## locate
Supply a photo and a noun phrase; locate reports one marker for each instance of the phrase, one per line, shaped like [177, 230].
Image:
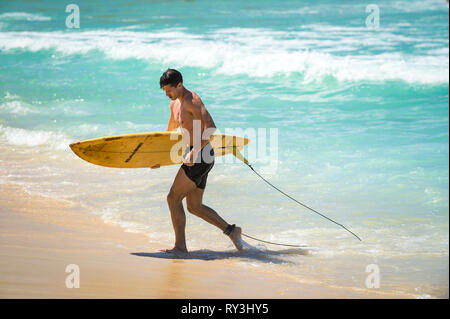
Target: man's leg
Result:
[194, 201]
[182, 186]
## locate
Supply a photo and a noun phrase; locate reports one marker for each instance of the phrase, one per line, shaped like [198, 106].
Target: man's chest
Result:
[181, 116]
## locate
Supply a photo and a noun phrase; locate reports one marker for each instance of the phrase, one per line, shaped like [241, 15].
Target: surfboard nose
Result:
[72, 146]
[75, 147]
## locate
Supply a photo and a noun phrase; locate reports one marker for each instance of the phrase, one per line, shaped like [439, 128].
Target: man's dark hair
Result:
[172, 77]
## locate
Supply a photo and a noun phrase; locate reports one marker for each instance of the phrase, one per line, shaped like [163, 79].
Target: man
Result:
[186, 110]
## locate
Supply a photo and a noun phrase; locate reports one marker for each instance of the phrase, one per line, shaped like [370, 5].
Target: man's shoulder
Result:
[195, 100]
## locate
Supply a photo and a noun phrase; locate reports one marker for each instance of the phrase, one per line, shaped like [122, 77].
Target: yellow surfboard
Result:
[138, 150]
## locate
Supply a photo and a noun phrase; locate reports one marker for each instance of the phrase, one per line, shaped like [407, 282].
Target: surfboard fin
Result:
[239, 156]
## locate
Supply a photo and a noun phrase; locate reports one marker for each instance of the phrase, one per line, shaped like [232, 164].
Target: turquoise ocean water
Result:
[361, 116]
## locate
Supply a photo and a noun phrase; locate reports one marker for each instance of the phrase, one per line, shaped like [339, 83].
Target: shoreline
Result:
[40, 236]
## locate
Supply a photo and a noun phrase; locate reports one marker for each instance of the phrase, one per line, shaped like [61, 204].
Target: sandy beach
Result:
[40, 236]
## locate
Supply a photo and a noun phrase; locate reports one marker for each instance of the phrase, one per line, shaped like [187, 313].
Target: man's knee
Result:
[193, 208]
[174, 198]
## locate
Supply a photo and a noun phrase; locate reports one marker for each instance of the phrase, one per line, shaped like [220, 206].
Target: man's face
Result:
[172, 92]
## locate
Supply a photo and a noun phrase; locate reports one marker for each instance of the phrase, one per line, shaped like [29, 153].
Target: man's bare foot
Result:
[175, 250]
[235, 237]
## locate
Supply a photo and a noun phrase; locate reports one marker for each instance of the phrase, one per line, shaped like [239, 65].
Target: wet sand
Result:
[41, 236]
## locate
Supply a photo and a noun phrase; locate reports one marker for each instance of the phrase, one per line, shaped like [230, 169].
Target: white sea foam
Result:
[17, 107]
[112, 216]
[19, 136]
[9, 96]
[418, 6]
[439, 51]
[23, 16]
[253, 52]
[284, 12]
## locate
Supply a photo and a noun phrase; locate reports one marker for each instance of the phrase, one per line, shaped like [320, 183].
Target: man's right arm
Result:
[172, 125]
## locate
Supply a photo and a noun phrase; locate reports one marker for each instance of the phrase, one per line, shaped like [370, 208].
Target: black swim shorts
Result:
[198, 173]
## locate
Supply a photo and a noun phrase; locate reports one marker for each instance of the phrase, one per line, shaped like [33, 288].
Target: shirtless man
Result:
[185, 108]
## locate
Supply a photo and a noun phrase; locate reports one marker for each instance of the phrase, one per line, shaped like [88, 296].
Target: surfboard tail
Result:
[239, 156]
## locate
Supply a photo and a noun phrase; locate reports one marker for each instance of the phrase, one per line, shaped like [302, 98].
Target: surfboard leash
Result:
[245, 161]
[269, 242]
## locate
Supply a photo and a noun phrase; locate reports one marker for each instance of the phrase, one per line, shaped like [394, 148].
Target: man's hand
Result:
[155, 166]
[190, 159]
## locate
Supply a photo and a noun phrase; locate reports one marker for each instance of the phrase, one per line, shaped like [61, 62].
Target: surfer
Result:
[186, 110]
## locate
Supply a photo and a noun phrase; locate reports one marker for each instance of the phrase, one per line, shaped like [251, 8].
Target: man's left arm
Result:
[210, 127]
[200, 113]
